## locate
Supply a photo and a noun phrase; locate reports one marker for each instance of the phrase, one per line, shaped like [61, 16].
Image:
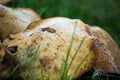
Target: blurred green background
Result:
[103, 13]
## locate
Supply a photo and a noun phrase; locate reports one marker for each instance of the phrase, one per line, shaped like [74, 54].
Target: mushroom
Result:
[15, 20]
[4, 1]
[22, 32]
[107, 57]
[8, 61]
[2, 53]
[54, 38]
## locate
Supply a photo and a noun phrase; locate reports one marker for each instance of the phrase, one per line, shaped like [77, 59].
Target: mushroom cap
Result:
[107, 56]
[54, 37]
[15, 20]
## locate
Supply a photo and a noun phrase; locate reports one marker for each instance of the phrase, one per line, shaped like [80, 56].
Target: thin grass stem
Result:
[75, 54]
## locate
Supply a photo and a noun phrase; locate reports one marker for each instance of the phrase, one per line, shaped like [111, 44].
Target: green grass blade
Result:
[27, 60]
[72, 75]
[75, 54]
[64, 74]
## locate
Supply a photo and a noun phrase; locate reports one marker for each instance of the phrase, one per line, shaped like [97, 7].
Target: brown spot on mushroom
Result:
[55, 53]
[48, 44]
[12, 49]
[51, 30]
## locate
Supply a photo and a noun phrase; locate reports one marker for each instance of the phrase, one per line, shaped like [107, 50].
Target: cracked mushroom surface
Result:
[54, 37]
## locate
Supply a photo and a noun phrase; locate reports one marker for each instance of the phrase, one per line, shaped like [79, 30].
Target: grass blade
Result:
[72, 75]
[75, 54]
[64, 74]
